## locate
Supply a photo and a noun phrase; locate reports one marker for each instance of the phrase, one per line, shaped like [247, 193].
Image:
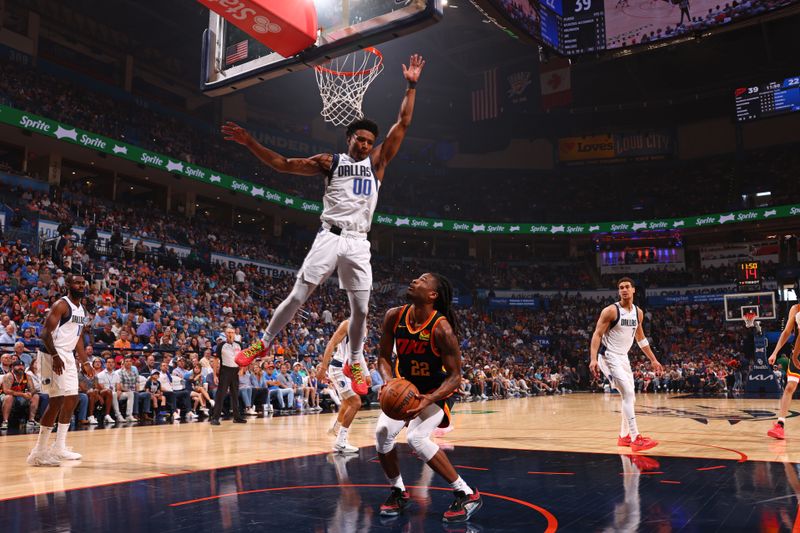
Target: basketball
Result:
[397, 397]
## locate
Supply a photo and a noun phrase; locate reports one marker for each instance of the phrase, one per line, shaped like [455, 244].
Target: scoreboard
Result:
[748, 275]
[576, 27]
[573, 27]
[769, 100]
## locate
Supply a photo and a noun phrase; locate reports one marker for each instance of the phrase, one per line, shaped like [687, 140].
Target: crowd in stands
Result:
[538, 196]
[147, 318]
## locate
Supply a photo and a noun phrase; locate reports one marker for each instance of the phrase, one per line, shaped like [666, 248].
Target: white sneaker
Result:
[120, 419]
[250, 411]
[344, 448]
[190, 416]
[43, 458]
[33, 424]
[130, 418]
[93, 421]
[270, 409]
[211, 403]
[108, 419]
[65, 454]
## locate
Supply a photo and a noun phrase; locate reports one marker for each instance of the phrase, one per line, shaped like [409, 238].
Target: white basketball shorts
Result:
[340, 382]
[348, 254]
[617, 368]
[55, 385]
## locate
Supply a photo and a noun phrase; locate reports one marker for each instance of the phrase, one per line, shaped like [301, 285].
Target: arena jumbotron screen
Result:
[574, 27]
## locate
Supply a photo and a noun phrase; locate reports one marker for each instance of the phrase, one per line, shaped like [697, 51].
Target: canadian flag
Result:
[555, 82]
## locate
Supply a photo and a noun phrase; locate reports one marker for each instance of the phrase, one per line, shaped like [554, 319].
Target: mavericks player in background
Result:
[618, 325]
[61, 336]
[352, 181]
[337, 353]
[792, 373]
[424, 334]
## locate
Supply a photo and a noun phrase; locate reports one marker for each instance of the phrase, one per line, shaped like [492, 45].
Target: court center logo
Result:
[263, 25]
[704, 413]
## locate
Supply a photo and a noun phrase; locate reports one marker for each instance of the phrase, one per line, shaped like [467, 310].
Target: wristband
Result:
[644, 342]
[412, 85]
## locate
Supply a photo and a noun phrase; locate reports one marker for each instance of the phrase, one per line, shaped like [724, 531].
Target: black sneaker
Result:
[214, 421]
[463, 507]
[395, 503]
[239, 421]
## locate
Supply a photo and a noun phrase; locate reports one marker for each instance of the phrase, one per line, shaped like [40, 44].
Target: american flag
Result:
[236, 52]
[485, 102]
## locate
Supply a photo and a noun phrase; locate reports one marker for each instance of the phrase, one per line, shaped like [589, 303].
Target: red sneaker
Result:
[246, 356]
[355, 373]
[643, 443]
[776, 432]
[624, 441]
[395, 503]
[644, 463]
[463, 507]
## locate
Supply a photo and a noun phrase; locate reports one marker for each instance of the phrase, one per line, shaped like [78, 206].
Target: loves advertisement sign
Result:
[586, 148]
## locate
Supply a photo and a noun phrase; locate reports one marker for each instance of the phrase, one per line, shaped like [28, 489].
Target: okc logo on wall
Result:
[263, 25]
[518, 82]
[704, 413]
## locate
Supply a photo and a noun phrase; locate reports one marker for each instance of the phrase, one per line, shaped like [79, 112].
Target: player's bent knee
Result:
[422, 445]
[384, 441]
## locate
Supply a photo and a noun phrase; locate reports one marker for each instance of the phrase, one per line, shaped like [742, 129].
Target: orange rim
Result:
[371, 50]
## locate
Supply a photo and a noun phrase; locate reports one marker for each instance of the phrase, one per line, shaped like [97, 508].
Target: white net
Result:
[343, 82]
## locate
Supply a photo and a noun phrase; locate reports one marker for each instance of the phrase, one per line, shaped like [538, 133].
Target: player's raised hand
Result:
[234, 132]
[414, 68]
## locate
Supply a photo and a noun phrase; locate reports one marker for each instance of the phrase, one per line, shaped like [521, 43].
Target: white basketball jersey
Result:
[619, 337]
[351, 195]
[69, 329]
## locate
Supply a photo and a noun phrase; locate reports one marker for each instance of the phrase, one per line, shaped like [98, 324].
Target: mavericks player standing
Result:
[792, 373]
[618, 325]
[61, 336]
[337, 353]
[351, 193]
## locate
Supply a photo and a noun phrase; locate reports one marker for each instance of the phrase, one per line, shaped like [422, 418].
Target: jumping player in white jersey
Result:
[792, 372]
[619, 324]
[62, 337]
[351, 193]
[337, 354]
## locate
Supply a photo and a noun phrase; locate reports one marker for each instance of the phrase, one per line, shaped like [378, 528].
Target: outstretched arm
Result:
[309, 166]
[386, 151]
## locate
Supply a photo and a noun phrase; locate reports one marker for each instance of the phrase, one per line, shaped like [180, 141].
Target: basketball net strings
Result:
[342, 95]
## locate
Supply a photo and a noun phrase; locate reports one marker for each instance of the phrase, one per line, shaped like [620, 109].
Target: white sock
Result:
[336, 426]
[61, 435]
[44, 435]
[782, 420]
[623, 428]
[341, 437]
[397, 482]
[355, 358]
[460, 484]
[268, 338]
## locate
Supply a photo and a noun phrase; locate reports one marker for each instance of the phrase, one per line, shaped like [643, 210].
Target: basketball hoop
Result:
[343, 82]
[749, 319]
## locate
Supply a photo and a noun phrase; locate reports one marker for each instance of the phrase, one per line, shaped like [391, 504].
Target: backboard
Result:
[760, 303]
[233, 60]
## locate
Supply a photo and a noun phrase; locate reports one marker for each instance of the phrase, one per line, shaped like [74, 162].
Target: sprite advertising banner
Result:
[99, 143]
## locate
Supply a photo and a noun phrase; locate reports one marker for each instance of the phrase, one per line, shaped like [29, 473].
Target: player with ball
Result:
[423, 333]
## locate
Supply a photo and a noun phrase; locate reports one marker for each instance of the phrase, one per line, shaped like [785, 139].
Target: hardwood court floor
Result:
[728, 429]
